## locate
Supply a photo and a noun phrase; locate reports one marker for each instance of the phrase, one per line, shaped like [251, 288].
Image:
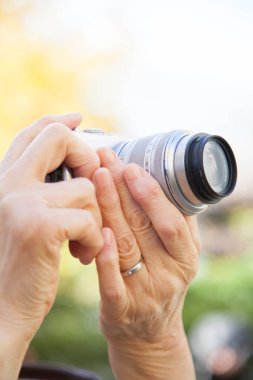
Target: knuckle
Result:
[57, 133]
[126, 244]
[113, 293]
[118, 177]
[88, 220]
[173, 229]
[22, 135]
[92, 230]
[150, 192]
[138, 220]
[56, 129]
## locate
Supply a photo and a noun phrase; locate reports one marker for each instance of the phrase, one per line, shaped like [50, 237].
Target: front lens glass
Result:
[216, 166]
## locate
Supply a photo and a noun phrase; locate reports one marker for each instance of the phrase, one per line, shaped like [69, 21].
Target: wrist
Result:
[162, 358]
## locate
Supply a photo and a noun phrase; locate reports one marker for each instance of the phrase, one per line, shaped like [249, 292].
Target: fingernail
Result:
[108, 156]
[133, 172]
[103, 178]
[107, 236]
[85, 260]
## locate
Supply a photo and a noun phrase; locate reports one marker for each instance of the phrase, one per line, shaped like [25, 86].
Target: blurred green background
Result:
[46, 68]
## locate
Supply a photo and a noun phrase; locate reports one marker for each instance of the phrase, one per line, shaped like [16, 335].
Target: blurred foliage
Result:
[38, 78]
[226, 286]
[225, 283]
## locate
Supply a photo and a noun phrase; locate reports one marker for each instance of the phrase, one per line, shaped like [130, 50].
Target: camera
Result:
[193, 169]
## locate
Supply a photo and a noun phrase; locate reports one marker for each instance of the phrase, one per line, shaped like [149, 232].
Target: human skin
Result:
[35, 219]
[141, 315]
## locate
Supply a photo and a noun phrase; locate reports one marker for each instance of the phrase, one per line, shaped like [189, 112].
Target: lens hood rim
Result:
[195, 172]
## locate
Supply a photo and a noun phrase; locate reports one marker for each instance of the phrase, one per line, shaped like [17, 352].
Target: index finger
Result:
[169, 223]
[54, 145]
[28, 134]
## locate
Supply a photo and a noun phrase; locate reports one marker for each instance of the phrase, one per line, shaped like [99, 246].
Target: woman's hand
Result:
[141, 313]
[35, 219]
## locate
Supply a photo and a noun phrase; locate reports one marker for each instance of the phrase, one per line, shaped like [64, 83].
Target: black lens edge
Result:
[194, 168]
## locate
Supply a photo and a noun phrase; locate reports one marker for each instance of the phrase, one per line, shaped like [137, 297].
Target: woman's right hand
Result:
[35, 219]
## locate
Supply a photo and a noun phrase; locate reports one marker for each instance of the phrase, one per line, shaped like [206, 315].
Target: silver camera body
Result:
[194, 170]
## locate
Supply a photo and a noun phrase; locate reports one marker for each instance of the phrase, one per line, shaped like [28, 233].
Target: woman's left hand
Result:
[146, 306]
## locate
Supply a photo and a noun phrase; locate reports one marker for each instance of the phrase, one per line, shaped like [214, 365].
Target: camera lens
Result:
[194, 170]
[210, 167]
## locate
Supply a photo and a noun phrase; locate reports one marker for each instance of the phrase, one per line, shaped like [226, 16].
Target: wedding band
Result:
[133, 270]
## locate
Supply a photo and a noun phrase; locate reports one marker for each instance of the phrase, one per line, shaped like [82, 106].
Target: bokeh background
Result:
[138, 67]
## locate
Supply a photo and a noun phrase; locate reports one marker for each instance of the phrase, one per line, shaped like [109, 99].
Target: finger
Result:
[75, 193]
[28, 134]
[111, 161]
[165, 217]
[147, 238]
[111, 284]
[79, 226]
[113, 217]
[52, 146]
